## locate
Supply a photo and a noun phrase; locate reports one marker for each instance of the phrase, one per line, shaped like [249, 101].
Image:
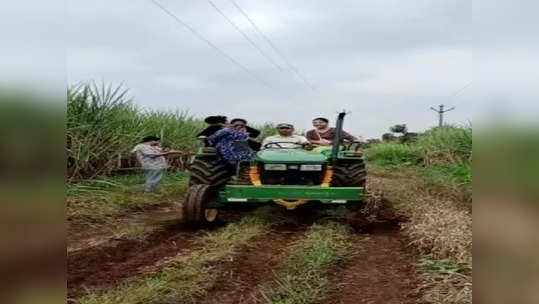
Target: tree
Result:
[400, 128]
[388, 137]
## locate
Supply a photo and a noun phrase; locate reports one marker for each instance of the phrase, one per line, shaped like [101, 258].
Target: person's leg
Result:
[148, 180]
[153, 177]
[157, 178]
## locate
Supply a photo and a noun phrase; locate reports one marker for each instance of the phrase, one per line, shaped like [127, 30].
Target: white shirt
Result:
[145, 155]
[284, 140]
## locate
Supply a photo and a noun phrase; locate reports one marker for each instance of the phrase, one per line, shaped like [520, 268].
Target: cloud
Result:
[387, 61]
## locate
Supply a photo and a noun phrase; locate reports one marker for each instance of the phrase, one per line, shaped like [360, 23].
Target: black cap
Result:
[238, 119]
[215, 119]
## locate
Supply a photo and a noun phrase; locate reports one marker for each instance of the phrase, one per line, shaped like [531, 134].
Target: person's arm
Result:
[216, 137]
[150, 152]
[348, 136]
[253, 133]
[311, 137]
[172, 151]
[315, 139]
[209, 131]
[266, 141]
[303, 140]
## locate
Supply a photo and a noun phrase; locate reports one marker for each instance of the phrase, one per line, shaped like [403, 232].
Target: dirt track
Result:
[381, 270]
[254, 266]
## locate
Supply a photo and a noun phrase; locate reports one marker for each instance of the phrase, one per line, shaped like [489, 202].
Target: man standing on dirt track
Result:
[152, 159]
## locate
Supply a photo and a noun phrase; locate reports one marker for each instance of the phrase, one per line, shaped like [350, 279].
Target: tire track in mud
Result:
[240, 278]
[382, 270]
[109, 264]
[102, 266]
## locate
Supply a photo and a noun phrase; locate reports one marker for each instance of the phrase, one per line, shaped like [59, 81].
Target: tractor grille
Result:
[292, 177]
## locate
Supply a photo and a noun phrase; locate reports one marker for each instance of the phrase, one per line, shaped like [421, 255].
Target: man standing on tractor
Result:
[285, 139]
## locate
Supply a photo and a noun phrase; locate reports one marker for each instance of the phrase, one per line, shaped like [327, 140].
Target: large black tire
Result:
[208, 171]
[194, 206]
[350, 173]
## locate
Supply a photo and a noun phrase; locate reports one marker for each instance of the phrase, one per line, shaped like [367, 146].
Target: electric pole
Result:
[441, 112]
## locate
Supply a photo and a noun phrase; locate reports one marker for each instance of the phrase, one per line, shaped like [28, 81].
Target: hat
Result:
[238, 119]
[285, 125]
[215, 119]
[322, 119]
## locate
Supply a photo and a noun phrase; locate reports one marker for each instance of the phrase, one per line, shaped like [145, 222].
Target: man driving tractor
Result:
[285, 139]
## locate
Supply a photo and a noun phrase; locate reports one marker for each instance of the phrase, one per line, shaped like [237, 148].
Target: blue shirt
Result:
[231, 145]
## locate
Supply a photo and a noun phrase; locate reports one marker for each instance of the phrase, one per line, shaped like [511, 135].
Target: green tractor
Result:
[290, 177]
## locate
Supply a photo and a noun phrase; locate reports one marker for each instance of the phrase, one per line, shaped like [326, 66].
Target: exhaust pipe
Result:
[338, 138]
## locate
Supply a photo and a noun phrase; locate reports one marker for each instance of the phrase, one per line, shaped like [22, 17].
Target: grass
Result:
[96, 200]
[439, 227]
[442, 155]
[446, 282]
[394, 154]
[186, 277]
[304, 279]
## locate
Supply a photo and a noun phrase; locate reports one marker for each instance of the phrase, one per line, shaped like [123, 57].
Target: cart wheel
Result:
[194, 207]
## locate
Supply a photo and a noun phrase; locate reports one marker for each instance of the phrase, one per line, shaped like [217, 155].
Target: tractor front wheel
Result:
[195, 206]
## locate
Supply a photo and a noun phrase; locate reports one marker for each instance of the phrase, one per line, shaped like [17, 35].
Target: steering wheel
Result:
[277, 143]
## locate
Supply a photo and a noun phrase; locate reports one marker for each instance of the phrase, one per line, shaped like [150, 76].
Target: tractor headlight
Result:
[311, 168]
[275, 167]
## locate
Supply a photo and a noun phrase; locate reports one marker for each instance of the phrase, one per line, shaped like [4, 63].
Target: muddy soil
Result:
[255, 265]
[82, 237]
[107, 265]
[110, 260]
[381, 272]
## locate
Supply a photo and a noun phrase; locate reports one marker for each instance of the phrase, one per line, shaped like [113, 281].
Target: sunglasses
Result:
[238, 126]
[285, 128]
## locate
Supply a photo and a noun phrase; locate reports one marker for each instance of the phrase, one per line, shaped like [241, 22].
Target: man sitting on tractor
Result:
[285, 139]
[323, 135]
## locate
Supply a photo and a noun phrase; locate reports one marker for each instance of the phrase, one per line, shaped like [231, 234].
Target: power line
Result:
[245, 36]
[461, 90]
[458, 92]
[294, 69]
[199, 36]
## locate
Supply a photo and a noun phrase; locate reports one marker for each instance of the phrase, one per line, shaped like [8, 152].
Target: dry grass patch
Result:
[438, 226]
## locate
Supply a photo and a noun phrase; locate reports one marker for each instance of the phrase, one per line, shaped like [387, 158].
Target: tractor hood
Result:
[290, 156]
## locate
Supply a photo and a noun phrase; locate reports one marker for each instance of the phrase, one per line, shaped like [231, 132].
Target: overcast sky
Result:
[385, 61]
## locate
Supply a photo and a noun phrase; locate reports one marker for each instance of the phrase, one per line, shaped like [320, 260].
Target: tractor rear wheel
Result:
[195, 211]
[349, 174]
[208, 171]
